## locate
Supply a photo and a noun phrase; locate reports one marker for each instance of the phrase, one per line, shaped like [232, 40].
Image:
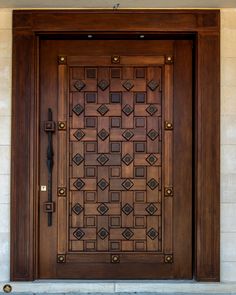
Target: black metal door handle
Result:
[49, 127]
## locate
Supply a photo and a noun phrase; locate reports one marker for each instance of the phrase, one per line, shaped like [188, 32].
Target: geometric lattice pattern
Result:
[115, 165]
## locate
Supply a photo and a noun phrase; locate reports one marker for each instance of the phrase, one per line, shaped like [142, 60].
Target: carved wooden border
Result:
[28, 26]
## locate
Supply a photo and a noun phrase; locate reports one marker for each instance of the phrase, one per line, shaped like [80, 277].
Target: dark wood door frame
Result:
[28, 27]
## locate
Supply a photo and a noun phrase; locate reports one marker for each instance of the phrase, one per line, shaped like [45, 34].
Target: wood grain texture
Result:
[26, 26]
[23, 155]
[207, 155]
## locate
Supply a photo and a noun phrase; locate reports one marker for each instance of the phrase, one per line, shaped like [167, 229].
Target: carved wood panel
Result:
[115, 158]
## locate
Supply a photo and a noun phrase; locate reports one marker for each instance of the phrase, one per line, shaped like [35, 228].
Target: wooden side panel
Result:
[22, 157]
[207, 155]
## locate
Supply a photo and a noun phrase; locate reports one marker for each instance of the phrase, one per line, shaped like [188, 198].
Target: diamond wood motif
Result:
[78, 234]
[128, 85]
[103, 134]
[127, 234]
[77, 159]
[128, 134]
[103, 84]
[77, 209]
[78, 109]
[79, 184]
[152, 134]
[79, 85]
[102, 208]
[103, 109]
[151, 109]
[79, 134]
[153, 85]
[115, 149]
[102, 159]
[103, 233]
[152, 234]
[127, 209]
[127, 159]
[103, 184]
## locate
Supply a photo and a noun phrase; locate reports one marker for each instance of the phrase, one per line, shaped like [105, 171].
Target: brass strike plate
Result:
[61, 125]
[115, 258]
[61, 258]
[169, 258]
[169, 125]
[61, 191]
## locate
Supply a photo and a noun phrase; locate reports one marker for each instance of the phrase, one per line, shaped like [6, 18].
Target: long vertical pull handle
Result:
[49, 206]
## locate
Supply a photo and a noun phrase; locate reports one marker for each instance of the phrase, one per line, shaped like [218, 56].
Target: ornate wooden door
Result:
[114, 156]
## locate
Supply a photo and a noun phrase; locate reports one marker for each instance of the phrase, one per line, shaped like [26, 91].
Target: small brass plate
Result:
[168, 125]
[61, 125]
[61, 258]
[62, 60]
[169, 191]
[169, 258]
[115, 258]
[115, 59]
[7, 288]
[61, 191]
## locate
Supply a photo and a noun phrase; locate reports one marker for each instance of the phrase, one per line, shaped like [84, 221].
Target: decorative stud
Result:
[61, 125]
[49, 126]
[62, 60]
[127, 159]
[78, 109]
[61, 258]
[79, 134]
[79, 184]
[79, 85]
[127, 110]
[152, 134]
[102, 159]
[103, 134]
[152, 183]
[49, 207]
[7, 288]
[169, 59]
[115, 258]
[102, 208]
[127, 184]
[103, 233]
[77, 209]
[78, 234]
[128, 85]
[128, 134]
[152, 85]
[151, 209]
[61, 191]
[127, 234]
[103, 109]
[168, 125]
[168, 258]
[103, 184]
[127, 209]
[151, 159]
[152, 233]
[168, 191]
[77, 159]
[115, 59]
[103, 85]
[151, 109]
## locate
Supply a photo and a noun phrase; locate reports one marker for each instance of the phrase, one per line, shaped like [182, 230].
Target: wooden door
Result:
[115, 153]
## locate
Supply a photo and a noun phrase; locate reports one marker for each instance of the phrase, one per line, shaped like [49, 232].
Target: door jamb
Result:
[27, 26]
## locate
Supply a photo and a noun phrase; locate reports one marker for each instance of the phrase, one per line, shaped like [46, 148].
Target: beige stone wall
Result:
[228, 152]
